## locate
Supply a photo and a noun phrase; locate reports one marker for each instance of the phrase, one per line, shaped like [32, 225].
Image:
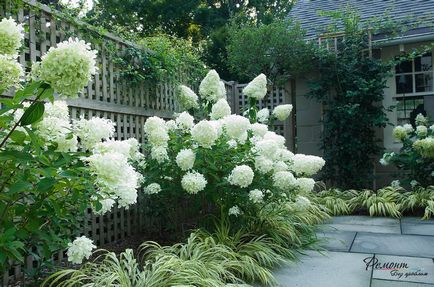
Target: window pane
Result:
[400, 106]
[404, 84]
[423, 63]
[404, 67]
[423, 82]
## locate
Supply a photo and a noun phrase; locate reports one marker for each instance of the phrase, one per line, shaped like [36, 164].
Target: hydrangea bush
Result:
[221, 162]
[416, 156]
[53, 168]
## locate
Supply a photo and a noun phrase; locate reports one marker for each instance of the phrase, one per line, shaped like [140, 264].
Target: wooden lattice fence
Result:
[109, 96]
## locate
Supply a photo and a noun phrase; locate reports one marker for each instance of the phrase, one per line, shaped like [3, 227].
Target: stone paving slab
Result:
[417, 220]
[417, 228]
[408, 269]
[364, 220]
[394, 244]
[362, 228]
[333, 269]
[336, 241]
[384, 283]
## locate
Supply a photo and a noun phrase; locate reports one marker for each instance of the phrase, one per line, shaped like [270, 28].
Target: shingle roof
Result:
[414, 12]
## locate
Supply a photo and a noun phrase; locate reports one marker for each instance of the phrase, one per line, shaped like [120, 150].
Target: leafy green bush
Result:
[422, 198]
[383, 202]
[416, 156]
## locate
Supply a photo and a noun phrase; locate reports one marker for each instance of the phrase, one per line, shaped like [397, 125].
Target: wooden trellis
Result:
[109, 96]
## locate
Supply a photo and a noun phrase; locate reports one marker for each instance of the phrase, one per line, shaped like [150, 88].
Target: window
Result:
[405, 106]
[415, 76]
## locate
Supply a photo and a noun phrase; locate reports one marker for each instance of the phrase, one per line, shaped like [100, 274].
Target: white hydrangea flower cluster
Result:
[204, 134]
[128, 148]
[79, 249]
[187, 98]
[256, 196]
[263, 165]
[235, 211]
[284, 180]
[242, 176]
[425, 147]
[67, 68]
[258, 130]
[263, 115]
[282, 112]
[185, 159]
[152, 188]
[402, 132]
[257, 88]
[305, 184]
[11, 72]
[220, 110]
[212, 88]
[92, 131]
[56, 127]
[156, 131]
[421, 120]
[236, 127]
[184, 121]
[306, 165]
[421, 131]
[11, 36]
[193, 182]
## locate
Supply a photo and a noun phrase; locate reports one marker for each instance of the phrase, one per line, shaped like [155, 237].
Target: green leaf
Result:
[15, 155]
[28, 91]
[20, 186]
[33, 114]
[48, 94]
[18, 136]
[46, 184]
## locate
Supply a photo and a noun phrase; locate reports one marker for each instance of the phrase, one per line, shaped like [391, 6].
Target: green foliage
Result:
[278, 50]
[350, 86]
[41, 190]
[383, 202]
[336, 201]
[416, 156]
[421, 198]
[228, 256]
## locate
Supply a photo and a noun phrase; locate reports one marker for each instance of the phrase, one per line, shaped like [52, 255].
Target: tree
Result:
[277, 50]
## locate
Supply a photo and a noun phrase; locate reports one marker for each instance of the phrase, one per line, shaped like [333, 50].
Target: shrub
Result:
[416, 156]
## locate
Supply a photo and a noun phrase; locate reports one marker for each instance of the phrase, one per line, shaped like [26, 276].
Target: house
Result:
[411, 87]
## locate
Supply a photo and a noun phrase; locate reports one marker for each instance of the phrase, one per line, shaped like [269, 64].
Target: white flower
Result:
[421, 120]
[185, 121]
[399, 132]
[285, 155]
[106, 206]
[152, 188]
[408, 128]
[425, 147]
[302, 202]
[93, 131]
[220, 109]
[284, 180]
[171, 125]
[282, 112]
[204, 134]
[414, 183]
[263, 165]
[156, 131]
[256, 196]
[211, 87]
[305, 184]
[66, 144]
[421, 131]
[257, 88]
[185, 159]
[68, 68]
[280, 166]
[258, 130]
[234, 210]
[307, 165]
[232, 143]
[263, 115]
[11, 73]
[193, 182]
[122, 147]
[11, 36]
[218, 126]
[236, 126]
[280, 140]
[187, 98]
[267, 148]
[159, 153]
[115, 178]
[57, 109]
[395, 184]
[79, 249]
[241, 175]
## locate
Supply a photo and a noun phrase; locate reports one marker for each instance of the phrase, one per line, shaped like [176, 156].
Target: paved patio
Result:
[362, 251]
